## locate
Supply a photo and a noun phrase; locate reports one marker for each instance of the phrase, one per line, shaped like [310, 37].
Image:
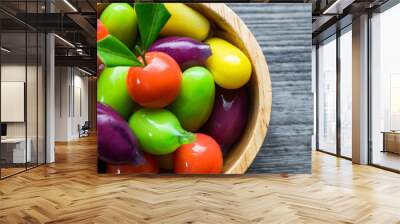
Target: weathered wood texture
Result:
[284, 33]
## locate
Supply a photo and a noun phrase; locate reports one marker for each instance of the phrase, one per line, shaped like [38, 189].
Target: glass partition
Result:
[22, 89]
[15, 149]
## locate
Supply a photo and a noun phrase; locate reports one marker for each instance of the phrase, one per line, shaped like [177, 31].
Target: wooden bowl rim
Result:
[258, 133]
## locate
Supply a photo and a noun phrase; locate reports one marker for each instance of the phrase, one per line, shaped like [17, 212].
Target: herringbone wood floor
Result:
[70, 191]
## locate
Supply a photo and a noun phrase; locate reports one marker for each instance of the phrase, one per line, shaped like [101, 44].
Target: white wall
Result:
[14, 73]
[33, 126]
[61, 103]
[81, 82]
[70, 83]
[13, 100]
[9, 73]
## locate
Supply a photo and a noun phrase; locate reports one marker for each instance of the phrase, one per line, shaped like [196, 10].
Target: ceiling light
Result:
[84, 71]
[70, 5]
[80, 51]
[337, 7]
[5, 50]
[65, 41]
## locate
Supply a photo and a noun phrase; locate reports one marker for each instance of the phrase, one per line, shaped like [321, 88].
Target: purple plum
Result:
[116, 142]
[186, 51]
[229, 117]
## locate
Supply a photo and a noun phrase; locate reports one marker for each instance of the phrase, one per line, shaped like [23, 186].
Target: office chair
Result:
[84, 130]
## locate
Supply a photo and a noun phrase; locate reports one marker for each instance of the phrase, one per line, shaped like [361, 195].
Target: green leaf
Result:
[151, 19]
[112, 52]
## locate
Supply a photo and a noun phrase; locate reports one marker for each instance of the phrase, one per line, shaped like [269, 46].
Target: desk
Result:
[17, 150]
[391, 141]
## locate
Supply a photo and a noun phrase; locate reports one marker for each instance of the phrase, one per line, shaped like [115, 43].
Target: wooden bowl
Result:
[230, 27]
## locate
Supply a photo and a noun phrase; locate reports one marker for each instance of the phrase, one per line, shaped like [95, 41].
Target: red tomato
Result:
[157, 84]
[101, 33]
[149, 166]
[101, 30]
[203, 156]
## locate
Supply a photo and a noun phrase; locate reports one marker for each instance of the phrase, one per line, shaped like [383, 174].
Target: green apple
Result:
[112, 90]
[121, 22]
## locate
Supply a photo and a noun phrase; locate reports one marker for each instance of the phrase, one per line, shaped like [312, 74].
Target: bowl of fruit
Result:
[181, 88]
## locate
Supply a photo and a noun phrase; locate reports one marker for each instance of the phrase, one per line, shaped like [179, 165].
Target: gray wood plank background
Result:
[284, 33]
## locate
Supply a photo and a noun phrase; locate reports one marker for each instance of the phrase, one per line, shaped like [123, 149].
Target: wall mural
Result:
[182, 88]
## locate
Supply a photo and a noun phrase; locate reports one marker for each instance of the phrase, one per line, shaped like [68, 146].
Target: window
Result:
[394, 102]
[346, 75]
[385, 89]
[334, 138]
[327, 96]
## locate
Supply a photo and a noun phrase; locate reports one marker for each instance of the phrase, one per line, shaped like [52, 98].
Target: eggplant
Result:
[186, 51]
[115, 141]
[229, 117]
